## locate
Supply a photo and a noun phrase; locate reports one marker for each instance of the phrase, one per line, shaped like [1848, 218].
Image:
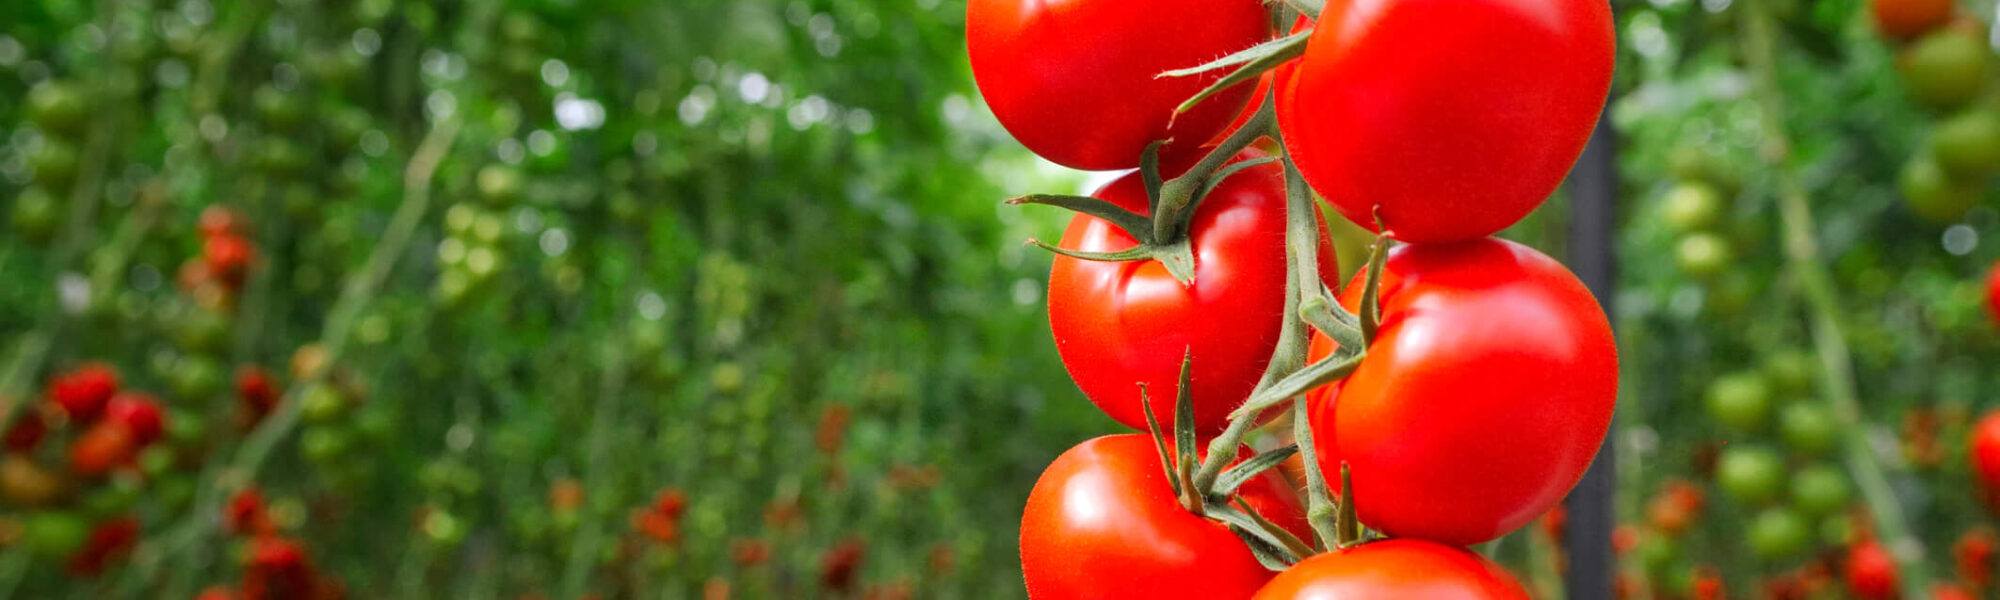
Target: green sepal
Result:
[1139, 227]
[1159, 440]
[1254, 61]
[1235, 477]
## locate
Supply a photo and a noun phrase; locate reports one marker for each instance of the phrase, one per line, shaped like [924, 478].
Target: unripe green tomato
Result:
[481, 262]
[282, 110]
[499, 185]
[1808, 428]
[201, 331]
[487, 229]
[54, 534]
[197, 377]
[58, 107]
[1703, 254]
[35, 214]
[1658, 553]
[1836, 531]
[185, 429]
[321, 404]
[443, 529]
[1740, 401]
[115, 497]
[1820, 491]
[1778, 533]
[1944, 69]
[1932, 194]
[324, 443]
[1750, 474]
[453, 287]
[54, 164]
[1691, 206]
[156, 460]
[1791, 371]
[1967, 146]
[458, 219]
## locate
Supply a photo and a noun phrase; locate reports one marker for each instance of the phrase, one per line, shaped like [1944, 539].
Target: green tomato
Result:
[500, 185]
[1932, 194]
[321, 404]
[54, 164]
[58, 107]
[1820, 490]
[54, 534]
[1657, 553]
[1750, 474]
[35, 214]
[1778, 533]
[325, 444]
[1791, 371]
[1944, 69]
[1967, 146]
[1740, 401]
[1703, 254]
[201, 331]
[197, 377]
[1691, 206]
[1808, 428]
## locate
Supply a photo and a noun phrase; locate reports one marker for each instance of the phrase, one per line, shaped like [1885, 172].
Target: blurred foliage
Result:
[750, 251]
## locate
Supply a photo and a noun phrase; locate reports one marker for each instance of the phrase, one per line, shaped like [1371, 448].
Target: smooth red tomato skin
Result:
[1870, 571]
[1395, 568]
[1905, 19]
[1985, 454]
[1119, 324]
[1993, 292]
[1102, 522]
[83, 392]
[1483, 398]
[139, 414]
[1074, 80]
[1456, 117]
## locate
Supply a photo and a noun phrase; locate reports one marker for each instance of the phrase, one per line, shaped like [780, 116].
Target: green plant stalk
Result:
[354, 298]
[583, 552]
[1822, 299]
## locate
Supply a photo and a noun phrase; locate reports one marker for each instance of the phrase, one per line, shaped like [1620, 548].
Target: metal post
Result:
[1593, 205]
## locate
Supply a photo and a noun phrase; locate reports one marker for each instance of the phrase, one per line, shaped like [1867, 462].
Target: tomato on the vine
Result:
[1820, 490]
[1740, 401]
[1778, 533]
[1750, 474]
[1931, 193]
[1905, 19]
[1119, 324]
[1870, 571]
[1454, 117]
[1102, 522]
[139, 414]
[1985, 457]
[83, 391]
[1077, 82]
[1945, 69]
[1395, 568]
[1993, 292]
[1482, 399]
[103, 447]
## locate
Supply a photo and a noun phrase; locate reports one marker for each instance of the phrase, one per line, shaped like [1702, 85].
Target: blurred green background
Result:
[708, 297]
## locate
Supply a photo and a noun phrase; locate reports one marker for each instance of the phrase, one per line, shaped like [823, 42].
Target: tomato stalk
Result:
[1823, 301]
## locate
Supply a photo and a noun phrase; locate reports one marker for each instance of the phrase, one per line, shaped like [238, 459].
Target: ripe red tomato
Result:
[83, 391]
[139, 414]
[1396, 568]
[1482, 399]
[1993, 292]
[1870, 571]
[1455, 117]
[278, 568]
[1119, 324]
[1102, 522]
[103, 447]
[1985, 453]
[27, 431]
[1075, 81]
[1905, 19]
[1974, 553]
[228, 258]
[1950, 591]
[108, 542]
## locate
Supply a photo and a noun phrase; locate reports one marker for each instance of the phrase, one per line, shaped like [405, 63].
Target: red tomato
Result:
[1993, 292]
[245, 514]
[1102, 522]
[1974, 554]
[1075, 81]
[1871, 571]
[1455, 117]
[1119, 324]
[1396, 568]
[1708, 584]
[27, 431]
[1950, 591]
[108, 542]
[278, 568]
[1482, 399]
[103, 447]
[139, 414]
[256, 392]
[1986, 457]
[83, 391]
[228, 258]
[1905, 19]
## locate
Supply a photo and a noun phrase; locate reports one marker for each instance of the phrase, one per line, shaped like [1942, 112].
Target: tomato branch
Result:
[1823, 301]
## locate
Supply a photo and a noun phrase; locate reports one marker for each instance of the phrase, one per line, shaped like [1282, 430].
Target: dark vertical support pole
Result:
[1593, 202]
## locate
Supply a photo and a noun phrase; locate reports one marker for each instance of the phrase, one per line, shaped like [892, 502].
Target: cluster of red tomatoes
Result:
[1945, 65]
[274, 566]
[76, 458]
[1453, 391]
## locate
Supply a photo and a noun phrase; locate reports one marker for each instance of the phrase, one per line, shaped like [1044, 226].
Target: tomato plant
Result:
[1447, 120]
[1397, 568]
[1102, 522]
[1456, 382]
[1121, 324]
[1078, 82]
